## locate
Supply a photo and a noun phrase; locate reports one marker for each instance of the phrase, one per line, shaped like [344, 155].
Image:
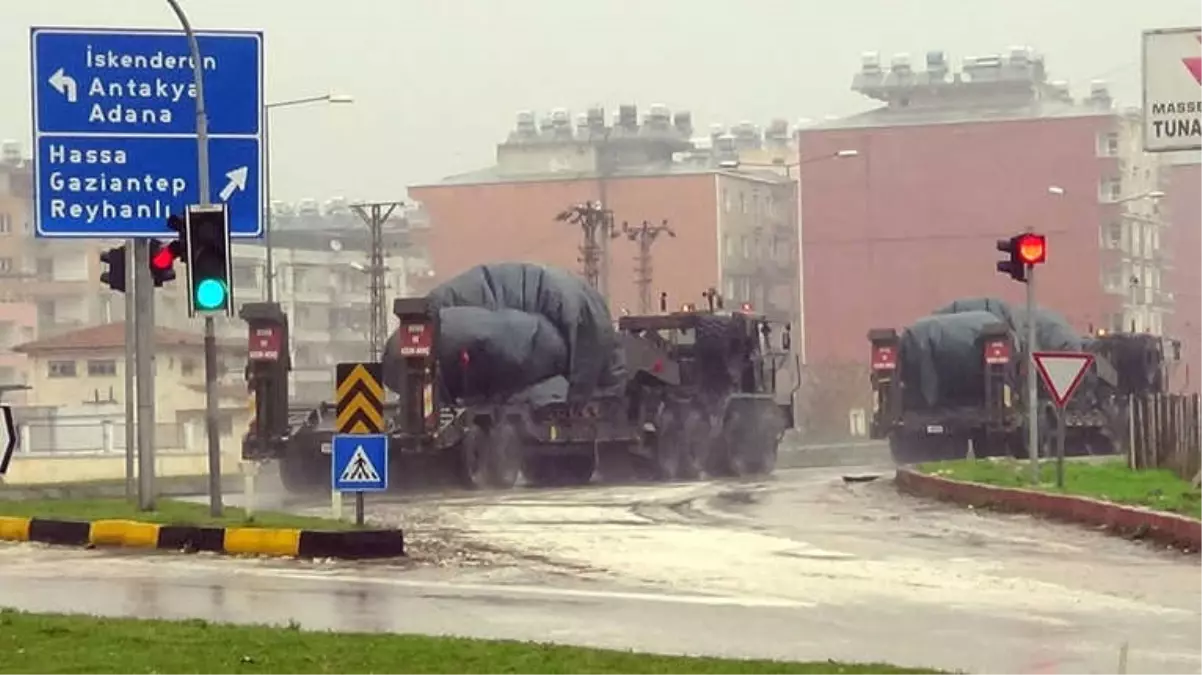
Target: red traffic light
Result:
[1032, 249]
[163, 259]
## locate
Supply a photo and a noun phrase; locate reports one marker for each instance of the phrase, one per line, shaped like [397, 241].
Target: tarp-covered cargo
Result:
[528, 330]
[940, 359]
[941, 354]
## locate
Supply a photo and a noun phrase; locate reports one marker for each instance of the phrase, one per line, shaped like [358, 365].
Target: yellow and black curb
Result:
[350, 544]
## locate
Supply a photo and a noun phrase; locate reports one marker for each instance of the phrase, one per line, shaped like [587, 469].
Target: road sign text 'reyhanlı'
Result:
[1172, 84]
[114, 115]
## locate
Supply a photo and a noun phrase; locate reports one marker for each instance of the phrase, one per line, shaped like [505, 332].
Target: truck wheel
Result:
[559, 470]
[504, 456]
[490, 457]
[302, 475]
[750, 444]
[688, 439]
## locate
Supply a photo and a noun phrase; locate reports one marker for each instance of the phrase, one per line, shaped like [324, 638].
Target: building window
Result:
[6, 223]
[6, 264]
[61, 369]
[726, 200]
[742, 203]
[1112, 236]
[105, 368]
[187, 367]
[1110, 190]
[45, 269]
[246, 276]
[1108, 144]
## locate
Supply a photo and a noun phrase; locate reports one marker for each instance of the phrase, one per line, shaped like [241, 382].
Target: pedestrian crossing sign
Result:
[359, 463]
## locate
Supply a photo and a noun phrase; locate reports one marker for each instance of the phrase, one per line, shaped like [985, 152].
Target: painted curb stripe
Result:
[65, 532]
[235, 540]
[14, 529]
[1167, 528]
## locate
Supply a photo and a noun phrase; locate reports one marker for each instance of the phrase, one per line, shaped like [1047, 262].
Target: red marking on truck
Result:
[416, 339]
[884, 357]
[997, 352]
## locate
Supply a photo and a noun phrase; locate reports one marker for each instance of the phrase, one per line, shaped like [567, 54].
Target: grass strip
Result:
[166, 512]
[1112, 481]
[56, 643]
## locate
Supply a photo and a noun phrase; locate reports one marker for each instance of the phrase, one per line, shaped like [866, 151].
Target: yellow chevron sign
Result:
[360, 398]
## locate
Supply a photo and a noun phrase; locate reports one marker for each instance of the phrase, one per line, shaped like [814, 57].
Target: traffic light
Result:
[1024, 250]
[114, 276]
[207, 247]
[162, 263]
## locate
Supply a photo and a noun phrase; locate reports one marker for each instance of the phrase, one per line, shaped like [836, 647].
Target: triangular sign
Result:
[1062, 372]
[359, 469]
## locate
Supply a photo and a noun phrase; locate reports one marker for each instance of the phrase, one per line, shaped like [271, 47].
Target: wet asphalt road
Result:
[802, 566]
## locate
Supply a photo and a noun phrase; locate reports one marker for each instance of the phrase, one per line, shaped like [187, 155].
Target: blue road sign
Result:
[114, 116]
[359, 463]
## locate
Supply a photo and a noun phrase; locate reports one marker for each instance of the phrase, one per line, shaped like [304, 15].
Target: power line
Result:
[645, 235]
[595, 222]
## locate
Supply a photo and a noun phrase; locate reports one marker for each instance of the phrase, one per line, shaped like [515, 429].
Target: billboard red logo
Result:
[1194, 65]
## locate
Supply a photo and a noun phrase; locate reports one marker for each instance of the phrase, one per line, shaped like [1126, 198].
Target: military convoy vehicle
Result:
[957, 377]
[515, 371]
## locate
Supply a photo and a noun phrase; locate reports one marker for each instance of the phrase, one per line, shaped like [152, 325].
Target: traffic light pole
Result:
[1032, 385]
[143, 292]
[131, 357]
[210, 339]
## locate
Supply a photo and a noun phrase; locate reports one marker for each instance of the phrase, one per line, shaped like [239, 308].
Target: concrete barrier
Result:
[291, 543]
[1132, 521]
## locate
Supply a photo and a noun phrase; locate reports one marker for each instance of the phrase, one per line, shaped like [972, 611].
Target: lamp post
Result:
[267, 108]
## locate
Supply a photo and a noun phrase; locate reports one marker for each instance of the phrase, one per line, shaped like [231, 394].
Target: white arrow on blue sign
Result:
[114, 116]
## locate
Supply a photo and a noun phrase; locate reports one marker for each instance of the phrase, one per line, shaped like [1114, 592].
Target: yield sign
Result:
[1062, 372]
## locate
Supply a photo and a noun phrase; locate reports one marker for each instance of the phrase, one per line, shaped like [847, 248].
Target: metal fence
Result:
[1164, 434]
[89, 436]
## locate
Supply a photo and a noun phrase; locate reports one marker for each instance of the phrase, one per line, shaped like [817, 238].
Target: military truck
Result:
[685, 394]
[957, 377]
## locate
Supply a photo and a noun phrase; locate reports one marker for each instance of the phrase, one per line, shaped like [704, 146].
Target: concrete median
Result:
[280, 542]
[1132, 521]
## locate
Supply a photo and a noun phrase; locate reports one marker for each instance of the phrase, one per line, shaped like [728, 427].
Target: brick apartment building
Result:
[954, 161]
[734, 224]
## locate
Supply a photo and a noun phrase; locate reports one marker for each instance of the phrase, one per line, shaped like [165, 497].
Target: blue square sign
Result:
[359, 463]
[114, 116]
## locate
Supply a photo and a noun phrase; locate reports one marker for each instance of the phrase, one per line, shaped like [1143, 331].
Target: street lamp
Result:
[267, 108]
[788, 166]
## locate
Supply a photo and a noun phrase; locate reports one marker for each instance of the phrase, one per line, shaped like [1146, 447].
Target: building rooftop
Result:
[493, 175]
[107, 337]
[888, 116]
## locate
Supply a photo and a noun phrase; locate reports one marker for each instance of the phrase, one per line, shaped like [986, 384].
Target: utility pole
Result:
[645, 235]
[375, 215]
[593, 219]
[605, 166]
[212, 428]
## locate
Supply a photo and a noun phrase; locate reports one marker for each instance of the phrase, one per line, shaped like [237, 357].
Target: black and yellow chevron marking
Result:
[349, 544]
[360, 397]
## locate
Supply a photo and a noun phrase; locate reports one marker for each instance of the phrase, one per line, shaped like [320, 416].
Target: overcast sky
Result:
[437, 82]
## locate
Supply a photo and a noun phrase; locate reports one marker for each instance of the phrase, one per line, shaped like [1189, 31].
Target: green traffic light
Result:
[210, 294]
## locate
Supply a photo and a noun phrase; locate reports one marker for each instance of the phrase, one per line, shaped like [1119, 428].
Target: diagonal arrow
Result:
[237, 181]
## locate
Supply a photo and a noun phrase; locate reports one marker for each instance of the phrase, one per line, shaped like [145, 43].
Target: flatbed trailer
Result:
[681, 413]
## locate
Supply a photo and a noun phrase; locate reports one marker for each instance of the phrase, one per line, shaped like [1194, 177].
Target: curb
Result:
[291, 543]
[1132, 521]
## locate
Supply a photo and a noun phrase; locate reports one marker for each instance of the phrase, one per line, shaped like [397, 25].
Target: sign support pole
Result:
[1032, 385]
[131, 357]
[143, 291]
[1061, 431]
[210, 340]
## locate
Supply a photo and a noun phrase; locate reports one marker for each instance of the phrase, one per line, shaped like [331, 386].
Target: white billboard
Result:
[1172, 65]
